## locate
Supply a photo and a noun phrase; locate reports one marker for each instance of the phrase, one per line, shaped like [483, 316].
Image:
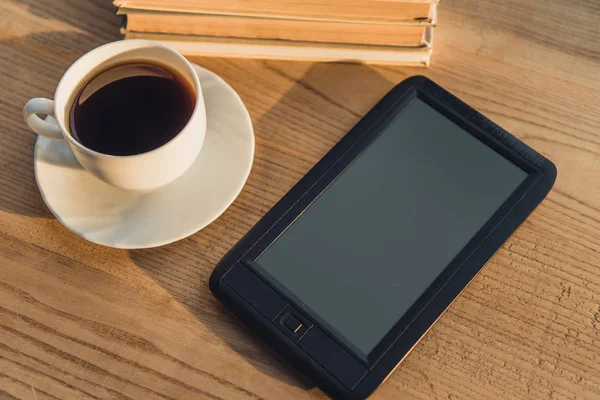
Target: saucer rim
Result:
[208, 221]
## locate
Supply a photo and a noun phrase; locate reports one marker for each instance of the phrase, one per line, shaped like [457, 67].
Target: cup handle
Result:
[45, 127]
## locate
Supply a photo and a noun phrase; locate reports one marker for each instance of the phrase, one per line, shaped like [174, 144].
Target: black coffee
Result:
[131, 109]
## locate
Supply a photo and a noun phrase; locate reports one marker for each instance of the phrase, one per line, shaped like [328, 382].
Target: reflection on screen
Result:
[373, 242]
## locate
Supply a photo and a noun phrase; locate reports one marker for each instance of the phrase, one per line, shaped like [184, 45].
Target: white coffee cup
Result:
[143, 171]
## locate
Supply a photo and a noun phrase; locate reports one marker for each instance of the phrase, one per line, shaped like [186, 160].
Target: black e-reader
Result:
[355, 263]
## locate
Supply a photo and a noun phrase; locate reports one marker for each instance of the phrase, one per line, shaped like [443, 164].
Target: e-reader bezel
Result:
[380, 362]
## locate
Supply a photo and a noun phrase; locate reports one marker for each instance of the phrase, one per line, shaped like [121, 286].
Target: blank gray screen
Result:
[374, 241]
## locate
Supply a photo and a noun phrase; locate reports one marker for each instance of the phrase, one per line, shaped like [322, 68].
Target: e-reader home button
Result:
[293, 324]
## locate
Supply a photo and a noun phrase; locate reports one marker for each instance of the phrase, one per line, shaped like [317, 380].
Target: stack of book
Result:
[398, 32]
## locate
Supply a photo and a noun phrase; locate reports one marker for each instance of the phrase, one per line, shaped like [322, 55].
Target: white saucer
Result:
[114, 217]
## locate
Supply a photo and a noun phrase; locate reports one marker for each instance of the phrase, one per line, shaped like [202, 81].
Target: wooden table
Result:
[79, 320]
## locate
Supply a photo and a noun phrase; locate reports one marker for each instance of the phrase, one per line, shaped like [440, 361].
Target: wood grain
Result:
[82, 321]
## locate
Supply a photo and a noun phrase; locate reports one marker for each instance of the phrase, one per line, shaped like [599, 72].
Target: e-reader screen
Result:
[369, 246]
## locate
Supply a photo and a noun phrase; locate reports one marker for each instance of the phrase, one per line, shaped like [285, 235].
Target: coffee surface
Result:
[131, 109]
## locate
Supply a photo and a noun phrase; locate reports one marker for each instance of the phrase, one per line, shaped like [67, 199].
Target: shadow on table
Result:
[40, 59]
[347, 91]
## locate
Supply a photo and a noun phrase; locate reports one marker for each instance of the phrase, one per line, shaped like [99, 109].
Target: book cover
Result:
[274, 28]
[378, 11]
[207, 46]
